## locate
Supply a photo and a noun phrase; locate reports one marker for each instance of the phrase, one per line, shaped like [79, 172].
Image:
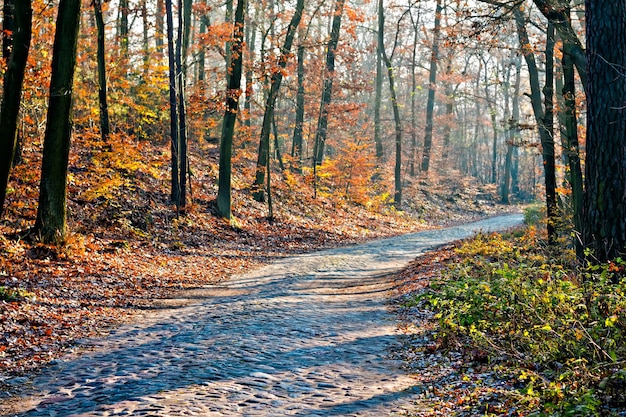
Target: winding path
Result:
[306, 336]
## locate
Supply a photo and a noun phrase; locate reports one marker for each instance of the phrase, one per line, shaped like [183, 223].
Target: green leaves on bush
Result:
[563, 330]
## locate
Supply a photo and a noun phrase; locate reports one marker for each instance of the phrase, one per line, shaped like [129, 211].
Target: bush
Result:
[562, 330]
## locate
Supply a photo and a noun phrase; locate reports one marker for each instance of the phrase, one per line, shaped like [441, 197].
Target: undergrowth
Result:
[561, 329]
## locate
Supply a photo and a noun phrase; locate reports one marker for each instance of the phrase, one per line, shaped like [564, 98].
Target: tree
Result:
[327, 89]
[543, 114]
[230, 115]
[268, 117]
[394, 102]
[430, 104]
[174, 132]
[605, 167]
[102, 76]
[50, 225]
[11, 98]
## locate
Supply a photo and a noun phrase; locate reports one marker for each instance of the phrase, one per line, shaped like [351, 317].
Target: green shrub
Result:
[563, 331]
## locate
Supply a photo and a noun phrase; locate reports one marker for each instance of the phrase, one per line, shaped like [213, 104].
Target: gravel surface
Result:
[308, 335]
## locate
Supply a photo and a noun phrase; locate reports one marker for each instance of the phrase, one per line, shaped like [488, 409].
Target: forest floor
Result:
[128, 250]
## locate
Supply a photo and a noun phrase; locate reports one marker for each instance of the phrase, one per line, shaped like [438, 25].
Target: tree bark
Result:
[230, 115]
[12, 94]
[50, 225]
[605, 167]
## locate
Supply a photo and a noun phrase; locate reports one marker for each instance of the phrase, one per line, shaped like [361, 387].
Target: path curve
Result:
[306, 336]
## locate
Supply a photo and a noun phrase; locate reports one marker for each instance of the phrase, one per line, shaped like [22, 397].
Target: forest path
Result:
[309, 335]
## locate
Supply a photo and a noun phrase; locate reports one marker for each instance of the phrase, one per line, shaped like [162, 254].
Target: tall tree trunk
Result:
[175, 140]
[268, 116]
[182, 46]
[569, 138]
[605, 166]
[413, 154]
[378, 95]
[396, 112]
[327, 89]
[430, 104]
[249, 74]
[50, 225]
[102, 76]
[547, 142]
[12, 94]
[542, 117]
[296, 151]
[230, 115]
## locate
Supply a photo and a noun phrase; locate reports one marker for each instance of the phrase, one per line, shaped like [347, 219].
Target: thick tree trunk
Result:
[230, 116]
[50, 225]
[276, 80]
[12, 95]
[430, 104]
[327, 89]
[102, 76]
[605, 166]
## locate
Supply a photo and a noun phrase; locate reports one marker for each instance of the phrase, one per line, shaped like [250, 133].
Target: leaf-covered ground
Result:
[128, 250]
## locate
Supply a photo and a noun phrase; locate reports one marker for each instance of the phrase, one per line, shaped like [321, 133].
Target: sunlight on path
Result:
[306, 336]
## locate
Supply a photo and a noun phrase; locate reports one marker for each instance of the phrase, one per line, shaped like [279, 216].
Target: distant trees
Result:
[311, 107]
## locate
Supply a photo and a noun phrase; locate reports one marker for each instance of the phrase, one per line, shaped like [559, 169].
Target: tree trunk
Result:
[175, 141]
[50, 225]
[12, 94]
[327, 89]
[430, 104]
[230, 115]
[547, 140]
[397, 200]
[605, 166]
[543, 118]
[182, 46]
[276, 80]
[569, 138]
[299, 124]
[102, 76]
[378, 95]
